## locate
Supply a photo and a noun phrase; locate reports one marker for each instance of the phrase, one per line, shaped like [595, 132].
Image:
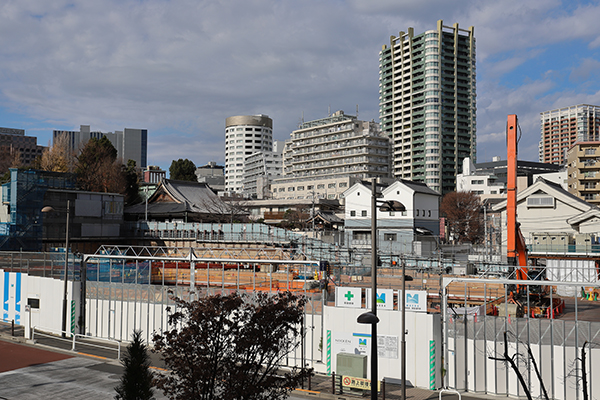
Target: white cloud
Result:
[180, 68]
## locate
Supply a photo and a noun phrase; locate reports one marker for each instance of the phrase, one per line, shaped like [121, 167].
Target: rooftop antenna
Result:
[357, 111]
[329, 110]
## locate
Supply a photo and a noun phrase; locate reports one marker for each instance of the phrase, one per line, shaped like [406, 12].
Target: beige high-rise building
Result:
[563, 127]
[583, 171]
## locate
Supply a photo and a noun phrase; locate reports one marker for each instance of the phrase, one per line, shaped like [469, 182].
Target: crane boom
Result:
[515, 243]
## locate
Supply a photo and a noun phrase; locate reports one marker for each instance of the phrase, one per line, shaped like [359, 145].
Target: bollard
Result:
[12, 327]
[310, 382]
[333, 383]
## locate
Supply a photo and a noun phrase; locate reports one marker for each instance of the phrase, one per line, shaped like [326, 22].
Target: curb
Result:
[311, 394]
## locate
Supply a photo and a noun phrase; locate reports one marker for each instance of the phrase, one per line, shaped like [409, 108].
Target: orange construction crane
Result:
[515, 244]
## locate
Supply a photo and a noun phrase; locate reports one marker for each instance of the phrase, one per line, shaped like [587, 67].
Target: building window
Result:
[363, 213]
[321, 186]
[331, 186]
[353, 213]
[389, 237]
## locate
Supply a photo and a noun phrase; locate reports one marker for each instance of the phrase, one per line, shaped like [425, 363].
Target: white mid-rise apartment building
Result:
[324, 157]
[260, 170]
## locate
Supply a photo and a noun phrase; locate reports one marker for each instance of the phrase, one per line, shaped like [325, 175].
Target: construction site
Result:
[540, 308]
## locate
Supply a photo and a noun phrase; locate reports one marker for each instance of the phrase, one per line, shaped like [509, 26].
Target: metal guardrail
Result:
[96, 345]
[450, 391]
[73, 339]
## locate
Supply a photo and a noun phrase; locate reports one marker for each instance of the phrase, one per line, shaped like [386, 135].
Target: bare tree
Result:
[580, 372]
[59, 157]
[226, 209]
[462, 213]
[515, 359]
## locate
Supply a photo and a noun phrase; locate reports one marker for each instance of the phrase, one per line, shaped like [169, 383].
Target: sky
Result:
[179, 68]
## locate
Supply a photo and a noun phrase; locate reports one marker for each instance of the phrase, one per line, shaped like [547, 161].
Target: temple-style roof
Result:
[181, 199]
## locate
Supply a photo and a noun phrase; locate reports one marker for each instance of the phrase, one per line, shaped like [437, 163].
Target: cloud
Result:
[587, 68]
[180, 68]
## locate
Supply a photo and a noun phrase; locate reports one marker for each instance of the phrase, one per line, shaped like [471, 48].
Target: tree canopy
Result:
[461, 210]
[97, 168]
[230, 347]
[136, 381]
[59, 157]
[132, 182]
[183, 170]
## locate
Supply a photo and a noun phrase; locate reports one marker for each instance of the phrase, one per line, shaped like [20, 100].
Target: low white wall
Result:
[18, 288]
[556, 363]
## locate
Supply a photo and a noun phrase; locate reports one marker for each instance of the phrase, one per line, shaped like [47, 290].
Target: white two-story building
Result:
[414, 231]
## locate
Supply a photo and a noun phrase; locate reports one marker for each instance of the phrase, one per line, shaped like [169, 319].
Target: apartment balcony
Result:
[589, 176]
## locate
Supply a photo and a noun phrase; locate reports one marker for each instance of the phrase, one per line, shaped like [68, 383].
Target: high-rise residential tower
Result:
[244, 135]
[563, 127]
[427, 103]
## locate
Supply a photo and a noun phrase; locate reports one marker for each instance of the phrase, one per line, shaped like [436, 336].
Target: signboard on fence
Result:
[416, 300]
[358, 383]
[385, 299]
[348, 297]
[360, 343]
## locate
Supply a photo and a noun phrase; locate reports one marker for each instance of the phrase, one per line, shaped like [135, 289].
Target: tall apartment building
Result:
[244, 135]
[583, 169]
[563, 127]
[16, 142]
[131, 144]
[427, 103]
[260, 170]
[326, 156]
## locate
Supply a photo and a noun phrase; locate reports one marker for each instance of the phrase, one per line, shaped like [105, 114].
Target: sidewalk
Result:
[321, 387]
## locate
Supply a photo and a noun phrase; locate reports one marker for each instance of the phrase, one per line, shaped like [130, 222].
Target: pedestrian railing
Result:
[77, 340]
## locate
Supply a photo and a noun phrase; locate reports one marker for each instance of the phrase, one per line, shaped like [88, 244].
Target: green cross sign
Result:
[349, 295]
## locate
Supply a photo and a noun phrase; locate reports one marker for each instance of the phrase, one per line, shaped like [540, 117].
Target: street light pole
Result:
[374, 372]
[64, 311]
[403, 341]
[371, 317]
[66, 269]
